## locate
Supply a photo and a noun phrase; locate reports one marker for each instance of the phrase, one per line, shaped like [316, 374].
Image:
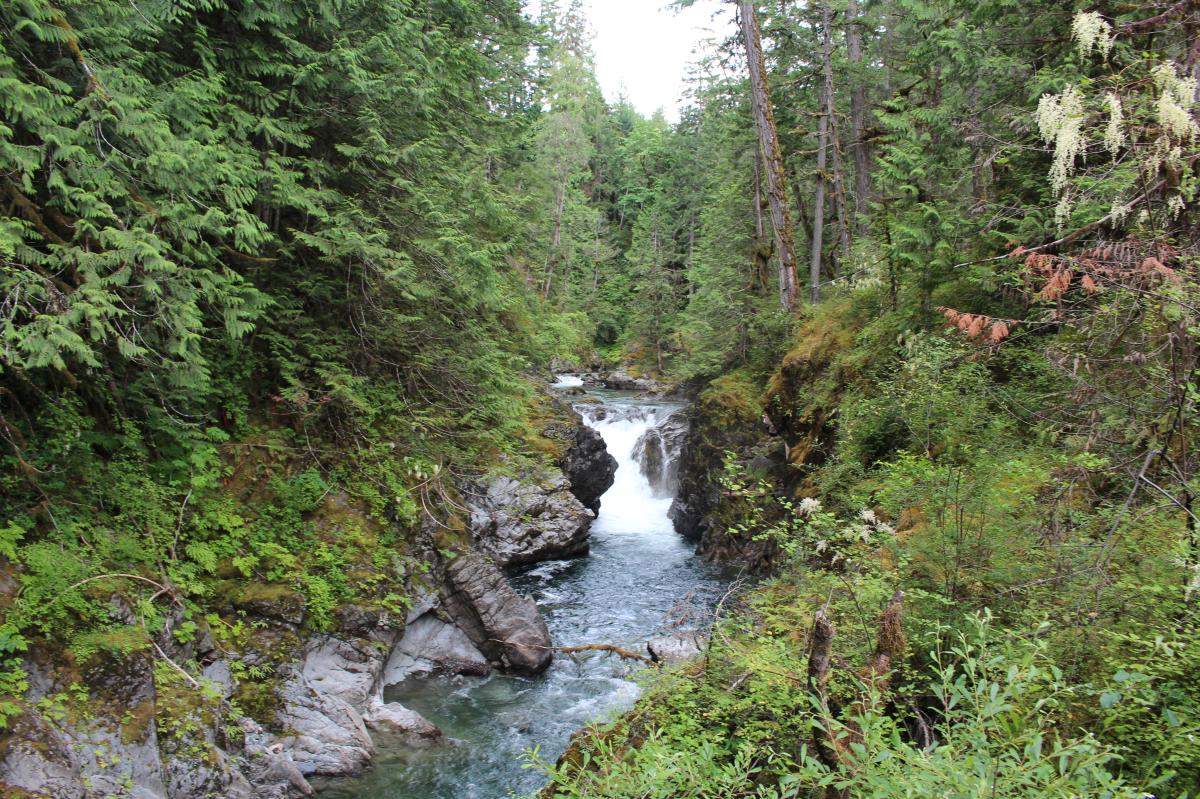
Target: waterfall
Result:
[640, 497]
[567, 381]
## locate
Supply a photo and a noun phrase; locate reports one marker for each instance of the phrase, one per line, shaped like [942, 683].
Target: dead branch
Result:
[610, 648]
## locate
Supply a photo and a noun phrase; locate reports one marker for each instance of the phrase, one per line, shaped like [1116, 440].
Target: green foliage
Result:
[995, 735]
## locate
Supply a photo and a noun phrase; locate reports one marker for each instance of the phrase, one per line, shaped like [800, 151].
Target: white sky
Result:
[645, 47]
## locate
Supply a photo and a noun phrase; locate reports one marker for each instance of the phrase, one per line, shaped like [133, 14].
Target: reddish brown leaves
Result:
[977, 327]
[1051, 278]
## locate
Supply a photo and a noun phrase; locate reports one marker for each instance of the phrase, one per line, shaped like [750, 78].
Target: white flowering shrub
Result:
[1144, 118]
[801, 528]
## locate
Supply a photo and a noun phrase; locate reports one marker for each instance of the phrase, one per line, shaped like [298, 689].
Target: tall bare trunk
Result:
[768, 138]
[758, 217]
[560, 202]
[818, 224]
[839, 182]
[858, 119]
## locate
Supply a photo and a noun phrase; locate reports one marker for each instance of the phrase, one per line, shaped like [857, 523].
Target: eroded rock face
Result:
[698, 510]
[528, 520]
[589, 467]
[432, 646]
[330, 699]
[505, 626]
[37, 759]
[91, 753]
[657, 453]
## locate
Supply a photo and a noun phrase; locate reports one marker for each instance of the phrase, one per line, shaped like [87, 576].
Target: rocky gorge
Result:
[280, 707]
[289, 702]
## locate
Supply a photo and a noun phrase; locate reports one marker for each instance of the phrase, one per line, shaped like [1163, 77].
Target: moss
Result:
[135, 721]
[259, 699]
[549, 429]
[733, 398]
[243, 595]
[804, 393]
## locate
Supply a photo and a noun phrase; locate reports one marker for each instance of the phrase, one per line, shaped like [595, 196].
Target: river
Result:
[636, 578]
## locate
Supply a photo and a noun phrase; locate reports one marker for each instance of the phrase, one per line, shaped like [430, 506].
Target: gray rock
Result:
[37, 759]
[504, 626]
[118, 755]
[677, 647]
[589, 467]
[273, 774]
[395, 718]
[530, 520]
[328, 701]
[327, 736]
[214, 775]
[219, 675]
[431, 646]
[620, 380]
[657, 453]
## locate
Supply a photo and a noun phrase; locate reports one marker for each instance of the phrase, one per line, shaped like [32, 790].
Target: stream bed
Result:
[639, 576]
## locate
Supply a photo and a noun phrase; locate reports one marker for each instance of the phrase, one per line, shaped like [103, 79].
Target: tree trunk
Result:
[768, 138]
[759, 230]
[818, 225]
[560, 203]
[839, 183]
[858, 119]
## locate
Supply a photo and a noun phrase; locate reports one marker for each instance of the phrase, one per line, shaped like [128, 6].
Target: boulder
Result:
[431, 646]
[528, 520]
[589, 467]
[620, 380]
[505, 626]
[676, 647]
[395, 718]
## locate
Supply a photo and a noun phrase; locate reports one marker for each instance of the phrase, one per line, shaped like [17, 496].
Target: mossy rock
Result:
[273, 601]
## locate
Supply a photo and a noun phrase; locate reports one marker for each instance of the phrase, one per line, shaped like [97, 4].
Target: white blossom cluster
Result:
[1091, 31]
[1114, 133]
[1176, 98]
[808, 506]
[1060, 119]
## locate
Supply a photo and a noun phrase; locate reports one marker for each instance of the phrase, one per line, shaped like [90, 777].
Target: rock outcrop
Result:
[506, 627]
[620, 380]
[657, 453]
[150, 733]
[528, 520]
[588, 467]
[726, 417]
[432, 645]
[73, 747]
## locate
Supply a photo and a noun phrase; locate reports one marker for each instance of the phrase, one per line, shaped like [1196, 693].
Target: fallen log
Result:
[610, 648]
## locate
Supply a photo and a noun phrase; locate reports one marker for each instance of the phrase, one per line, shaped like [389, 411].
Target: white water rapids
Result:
[622, 593]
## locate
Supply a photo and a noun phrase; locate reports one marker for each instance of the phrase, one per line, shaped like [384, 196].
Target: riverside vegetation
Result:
[277, 280]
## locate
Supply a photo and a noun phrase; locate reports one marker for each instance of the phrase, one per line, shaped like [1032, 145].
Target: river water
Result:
[639, 576]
